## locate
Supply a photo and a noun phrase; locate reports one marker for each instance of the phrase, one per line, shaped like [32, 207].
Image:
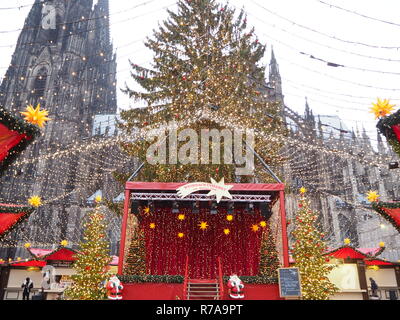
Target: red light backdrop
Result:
[166, 252]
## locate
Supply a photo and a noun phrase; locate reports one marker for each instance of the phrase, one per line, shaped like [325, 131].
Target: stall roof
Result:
[380, 262]
[61, 254]
[11, 215]
[352, 253]
[390, 211]
[29, 263]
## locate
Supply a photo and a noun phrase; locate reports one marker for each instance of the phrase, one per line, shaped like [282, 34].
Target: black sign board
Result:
[289, 282]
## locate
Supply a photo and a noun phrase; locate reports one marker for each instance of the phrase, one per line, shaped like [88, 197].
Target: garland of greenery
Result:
[385, 127]
[181, 279]
[380, 206]
[15, 210]
[22, 127]
[151, 279]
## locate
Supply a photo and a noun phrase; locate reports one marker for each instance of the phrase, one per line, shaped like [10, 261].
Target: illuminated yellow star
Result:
[227, 231]
[229, 217]
[203, 225]
[255, 228]
[381, 244]
[98, 199]
[64, 243]
[181, 235]
[181, 217]
[27, 245]
[146, 210]
[35, 201]
[373, 196]
[382, 108]
[347, 241]
[303, 190]
[36, 116]
[152, 225]
[263, 224]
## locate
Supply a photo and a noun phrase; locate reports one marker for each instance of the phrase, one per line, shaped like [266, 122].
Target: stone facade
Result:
[70, 69]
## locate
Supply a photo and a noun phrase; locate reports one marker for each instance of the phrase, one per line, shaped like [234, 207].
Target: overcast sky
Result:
[341, 91]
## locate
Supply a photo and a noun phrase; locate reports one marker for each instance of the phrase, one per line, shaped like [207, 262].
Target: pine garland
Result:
[22, 127]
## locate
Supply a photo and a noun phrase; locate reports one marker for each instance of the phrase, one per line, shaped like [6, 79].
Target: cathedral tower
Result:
[63, 60]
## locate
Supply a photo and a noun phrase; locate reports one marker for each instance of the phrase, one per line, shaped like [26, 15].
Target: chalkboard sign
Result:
[289, 282]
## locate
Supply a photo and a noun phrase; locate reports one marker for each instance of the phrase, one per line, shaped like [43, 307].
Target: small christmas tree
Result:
[308, 254]
[269, 262]
[136, 259]
[92, 261]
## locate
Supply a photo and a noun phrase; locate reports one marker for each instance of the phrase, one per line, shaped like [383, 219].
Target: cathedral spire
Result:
[275, 80]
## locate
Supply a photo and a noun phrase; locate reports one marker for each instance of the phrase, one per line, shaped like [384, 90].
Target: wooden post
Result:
[362, 276]
[285, 242]
[123, 231]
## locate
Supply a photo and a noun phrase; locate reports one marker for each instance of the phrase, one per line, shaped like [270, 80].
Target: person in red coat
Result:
[236, 287]
[114, 288]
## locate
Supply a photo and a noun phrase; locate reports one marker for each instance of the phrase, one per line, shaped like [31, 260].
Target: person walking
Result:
[27, 285]
[374, 287]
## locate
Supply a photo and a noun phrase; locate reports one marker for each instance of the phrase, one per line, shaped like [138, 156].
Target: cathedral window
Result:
[39, 85]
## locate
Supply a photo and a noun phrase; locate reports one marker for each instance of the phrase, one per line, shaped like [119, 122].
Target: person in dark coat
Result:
[27, 286]
[374, 287]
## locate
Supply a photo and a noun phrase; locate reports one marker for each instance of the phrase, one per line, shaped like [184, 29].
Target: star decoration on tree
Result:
[35, 115]
[229, 217]
[382, 108]
[227, 231]
[255, 228]
[181, 235]
[181, 217]
[263, 224]
[152, 225]
[303, 190]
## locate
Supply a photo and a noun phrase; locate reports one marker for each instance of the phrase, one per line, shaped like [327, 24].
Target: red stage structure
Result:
[203, 257]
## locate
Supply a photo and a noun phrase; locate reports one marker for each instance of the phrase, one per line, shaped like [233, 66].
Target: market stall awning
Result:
[11, 215]
[15, 135]
[30, 263]
[61, 254]
[390, 211]
[348, 252]
[380, 262]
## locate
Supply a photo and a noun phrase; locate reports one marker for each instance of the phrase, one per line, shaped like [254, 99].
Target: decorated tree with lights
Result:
[206, 74]
[269, 260]
[308, 251]
[92, 260]
[136, 258]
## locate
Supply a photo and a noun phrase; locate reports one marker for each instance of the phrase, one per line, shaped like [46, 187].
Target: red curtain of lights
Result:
[170, 237]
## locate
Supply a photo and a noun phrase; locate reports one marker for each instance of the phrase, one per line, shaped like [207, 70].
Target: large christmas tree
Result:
[92, 260]
[308, 251]
[206, 74]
